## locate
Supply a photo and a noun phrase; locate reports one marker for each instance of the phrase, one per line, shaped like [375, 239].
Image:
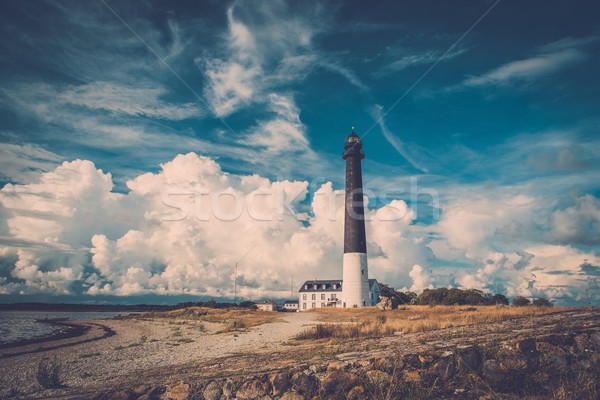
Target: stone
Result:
[304, 384]
[387, 303]
[229, 387]
[412, 376]
[526, 346]
[357, 393]
[254, 389]
[469, 359]
[379, 378]
[292, 396]
[443, 368]
[335, 366]
[338, 382]
[178, 391]
[120, 395]
[280, 382]
[493, 372]
[212, 391]
[412, 360]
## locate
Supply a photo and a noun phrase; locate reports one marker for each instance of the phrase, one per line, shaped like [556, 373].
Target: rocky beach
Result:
[188, 356]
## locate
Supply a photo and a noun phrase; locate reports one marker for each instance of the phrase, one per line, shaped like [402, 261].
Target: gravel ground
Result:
[138, 346]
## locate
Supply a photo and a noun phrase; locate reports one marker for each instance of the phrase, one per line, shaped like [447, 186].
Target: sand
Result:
[137, 347]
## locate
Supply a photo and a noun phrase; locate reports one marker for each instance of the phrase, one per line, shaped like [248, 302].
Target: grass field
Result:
[370, 322]
[233, 318]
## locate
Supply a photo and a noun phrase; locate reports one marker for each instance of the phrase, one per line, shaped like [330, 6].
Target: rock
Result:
[379, 378]
[494, 372]
[526, 346]
[469, 359]
[387, 303]
[292, 396]
[304, 384]
[583, 344]
[254, 389]
[280, 382]
[120, 395]
[357, 393]
[443, 368]
[230, 386]
[386, 364]
[178, 391]
[335, 366]
[212, 391]
[595, 340]
[338, 382]
[412, 360]
[412, 376]
[554, 358]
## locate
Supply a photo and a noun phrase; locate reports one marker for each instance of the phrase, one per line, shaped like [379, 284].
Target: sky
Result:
[148, 147]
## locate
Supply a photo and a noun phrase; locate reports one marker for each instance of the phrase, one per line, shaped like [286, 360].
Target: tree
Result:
[521, 301]
[542, 302]
[499, 299]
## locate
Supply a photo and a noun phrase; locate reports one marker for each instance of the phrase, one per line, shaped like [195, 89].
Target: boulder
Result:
[469, 359]
[292, 396]
[304, 384]
[494, 372]
[212, 391]
[120, 395]
[357, 393]
[339, 382]
[254, 389]
[526, 346]
[177, 391]
[280, 382]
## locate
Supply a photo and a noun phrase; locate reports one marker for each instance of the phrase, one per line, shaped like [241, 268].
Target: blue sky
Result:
[490, 108]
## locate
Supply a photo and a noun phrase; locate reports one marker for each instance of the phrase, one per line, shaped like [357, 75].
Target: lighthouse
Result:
[355, 292]
[355, 289]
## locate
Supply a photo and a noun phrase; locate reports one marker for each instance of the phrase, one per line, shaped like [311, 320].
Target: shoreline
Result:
[58, 339]
[66, 330]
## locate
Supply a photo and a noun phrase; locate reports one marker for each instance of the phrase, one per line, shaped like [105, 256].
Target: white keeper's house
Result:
[328, 293]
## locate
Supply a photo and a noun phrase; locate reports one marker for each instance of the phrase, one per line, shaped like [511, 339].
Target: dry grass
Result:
[370, 322]
[234, 317]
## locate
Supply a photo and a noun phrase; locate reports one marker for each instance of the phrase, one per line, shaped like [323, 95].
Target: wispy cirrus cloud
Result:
[548, 59]
[407, 152]
[22, 162]
[419, 58]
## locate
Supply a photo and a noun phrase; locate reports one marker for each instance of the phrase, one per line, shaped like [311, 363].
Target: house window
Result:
[304, 306]
[304, 297]
[322, 305]
[323, 296]
[314, 297]
[333, 296]
[314, 305]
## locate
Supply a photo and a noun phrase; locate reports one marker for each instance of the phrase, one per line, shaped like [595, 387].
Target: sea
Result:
[20, 325]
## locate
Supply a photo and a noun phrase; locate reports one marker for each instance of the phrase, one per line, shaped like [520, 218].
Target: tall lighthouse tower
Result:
[355, 291]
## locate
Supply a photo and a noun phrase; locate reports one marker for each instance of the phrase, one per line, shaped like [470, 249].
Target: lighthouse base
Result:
[355, 289]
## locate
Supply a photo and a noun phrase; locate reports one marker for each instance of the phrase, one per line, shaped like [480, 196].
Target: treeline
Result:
[213, 304]
[454, 296]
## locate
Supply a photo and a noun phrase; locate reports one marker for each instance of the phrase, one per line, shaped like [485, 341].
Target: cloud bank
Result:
[181, 231]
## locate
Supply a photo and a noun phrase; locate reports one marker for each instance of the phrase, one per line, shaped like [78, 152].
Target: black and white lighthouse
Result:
[355, 291]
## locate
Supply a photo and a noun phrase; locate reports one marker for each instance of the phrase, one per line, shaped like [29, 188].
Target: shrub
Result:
[48, 374]
[521, 301]
[542, 302]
